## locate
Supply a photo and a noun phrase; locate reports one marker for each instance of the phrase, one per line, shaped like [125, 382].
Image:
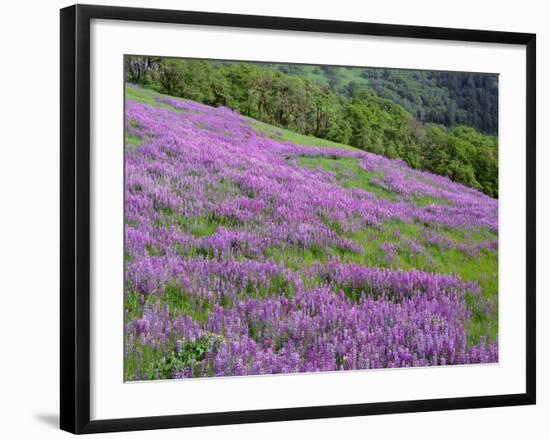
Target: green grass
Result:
[132, 140]
[348, 174]
[198, 227]
[427, 201]
[370, 239]
[283, 135]
[177, 300]
[149, 97]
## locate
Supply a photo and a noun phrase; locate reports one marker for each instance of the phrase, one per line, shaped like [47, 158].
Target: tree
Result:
[138, 67]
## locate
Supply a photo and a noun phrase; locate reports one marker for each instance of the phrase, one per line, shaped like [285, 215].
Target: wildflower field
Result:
[253, 250]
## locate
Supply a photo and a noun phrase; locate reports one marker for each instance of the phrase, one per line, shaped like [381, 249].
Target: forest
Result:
[442, 122]
[446, 98]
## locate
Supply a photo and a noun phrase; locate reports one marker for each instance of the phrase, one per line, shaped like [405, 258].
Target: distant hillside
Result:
[446, 98]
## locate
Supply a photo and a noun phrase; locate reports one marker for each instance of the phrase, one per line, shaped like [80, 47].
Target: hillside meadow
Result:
[253, 249]
[442, 122]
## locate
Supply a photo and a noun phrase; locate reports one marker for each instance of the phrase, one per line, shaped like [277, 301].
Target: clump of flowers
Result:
[389, 252]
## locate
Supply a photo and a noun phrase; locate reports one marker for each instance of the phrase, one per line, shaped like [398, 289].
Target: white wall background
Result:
[29, 200]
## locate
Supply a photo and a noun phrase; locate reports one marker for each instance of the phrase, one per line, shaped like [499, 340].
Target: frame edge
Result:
[75, 219]
[68, 388]
[531, 196]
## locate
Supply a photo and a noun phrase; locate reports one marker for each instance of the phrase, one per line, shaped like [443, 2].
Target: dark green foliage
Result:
[465, 156]
[189, 356]
[446, 98]
[338, 104]
[141, 69]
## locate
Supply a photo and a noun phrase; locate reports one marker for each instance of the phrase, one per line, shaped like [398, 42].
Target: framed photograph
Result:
[268, 218]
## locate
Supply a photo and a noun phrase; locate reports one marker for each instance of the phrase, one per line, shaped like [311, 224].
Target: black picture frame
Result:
[75, 217]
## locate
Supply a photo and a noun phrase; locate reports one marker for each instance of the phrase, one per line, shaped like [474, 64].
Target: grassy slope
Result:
[283, 135]
[149, 97]
[482, 269]
[146, 96]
